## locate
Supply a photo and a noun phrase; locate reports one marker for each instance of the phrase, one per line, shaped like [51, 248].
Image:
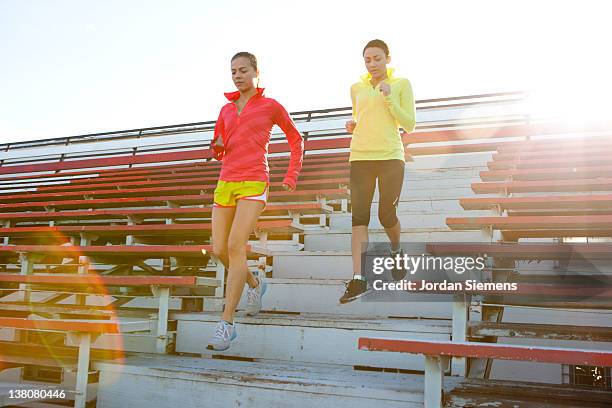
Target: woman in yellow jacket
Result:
[382, 103]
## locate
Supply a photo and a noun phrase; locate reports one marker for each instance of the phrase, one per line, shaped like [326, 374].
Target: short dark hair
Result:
[378, 44]
[252, 59]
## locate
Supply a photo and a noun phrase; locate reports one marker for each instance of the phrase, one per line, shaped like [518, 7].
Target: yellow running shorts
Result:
[228, 193]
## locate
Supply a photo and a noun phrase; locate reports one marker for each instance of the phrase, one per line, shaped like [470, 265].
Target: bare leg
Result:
[245, 218]
[363, 185]
[394, 234]
[222, 218]
[359, 237]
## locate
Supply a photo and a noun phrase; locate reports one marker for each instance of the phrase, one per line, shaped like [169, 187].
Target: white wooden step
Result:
[465, 161]
[312, 265]
[322, 295]
[340, 239]
[310, 338]
[407, 220]
[426, 206]
[148, 381]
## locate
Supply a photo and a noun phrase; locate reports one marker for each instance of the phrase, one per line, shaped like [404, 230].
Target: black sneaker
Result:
[397, 273]
[355, 288]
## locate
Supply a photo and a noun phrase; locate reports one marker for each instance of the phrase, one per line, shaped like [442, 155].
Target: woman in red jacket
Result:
[241, 138]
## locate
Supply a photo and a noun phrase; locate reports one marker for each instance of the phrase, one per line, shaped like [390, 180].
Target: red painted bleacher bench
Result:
[534, 251]
[603, 202]
[83, 332]
[514, 227]
[62, 234]
[34, 207]
[276, 164]
[159, 285]
[565, 294]
[271, 209]
[29, 255]
[547, 173]
[117, 251]
[438, 353]
[555, 162]
[538, 186]
[126, 225]
[519, 207]
[204, 183]
[533, 152]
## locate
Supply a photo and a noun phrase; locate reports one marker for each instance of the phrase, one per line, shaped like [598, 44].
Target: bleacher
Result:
[548, 230]
[115, 228]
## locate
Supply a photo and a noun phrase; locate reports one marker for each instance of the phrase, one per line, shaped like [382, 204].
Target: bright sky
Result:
[72, 67]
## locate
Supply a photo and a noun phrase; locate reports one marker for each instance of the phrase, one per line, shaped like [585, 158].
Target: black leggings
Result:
[390, 175]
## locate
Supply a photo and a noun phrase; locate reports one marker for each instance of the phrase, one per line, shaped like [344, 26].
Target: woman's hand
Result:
[350, 125]
[385, 88]
[287, 187]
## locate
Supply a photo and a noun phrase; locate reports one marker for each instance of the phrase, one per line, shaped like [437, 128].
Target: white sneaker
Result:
[254, 296]
[224, 334]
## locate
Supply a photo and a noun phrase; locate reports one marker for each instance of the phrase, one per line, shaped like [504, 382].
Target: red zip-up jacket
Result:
[246, 138]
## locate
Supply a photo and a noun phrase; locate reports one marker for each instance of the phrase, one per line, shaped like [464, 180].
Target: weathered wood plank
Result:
[510, 394]
[52, 356]
[545, 331]
[144, 381]
[309, 339]
[492, 351]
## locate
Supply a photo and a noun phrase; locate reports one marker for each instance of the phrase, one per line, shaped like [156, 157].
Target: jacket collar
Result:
[233, 96]
[366, 77]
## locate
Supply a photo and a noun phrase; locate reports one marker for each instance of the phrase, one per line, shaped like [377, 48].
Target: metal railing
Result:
[457, 102]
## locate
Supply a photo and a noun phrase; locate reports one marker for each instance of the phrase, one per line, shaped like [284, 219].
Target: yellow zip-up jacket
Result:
[378, 118]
